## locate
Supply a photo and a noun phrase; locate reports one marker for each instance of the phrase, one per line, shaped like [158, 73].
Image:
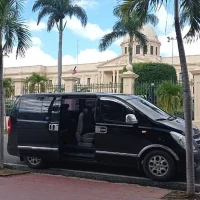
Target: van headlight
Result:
[180, 139]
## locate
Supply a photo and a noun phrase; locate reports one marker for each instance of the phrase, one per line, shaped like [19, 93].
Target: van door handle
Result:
[101, 129]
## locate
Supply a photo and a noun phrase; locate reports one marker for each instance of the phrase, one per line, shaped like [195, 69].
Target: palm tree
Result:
[13, 32]
[131, 26]
[188, 12]
[8, 87]
[36, 82]
[169, 96]
[57, 10]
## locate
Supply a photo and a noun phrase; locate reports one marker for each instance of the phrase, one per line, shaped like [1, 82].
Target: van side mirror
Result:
[131, 119]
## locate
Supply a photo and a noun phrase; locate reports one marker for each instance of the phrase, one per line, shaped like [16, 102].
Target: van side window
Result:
[30, 108]
[72, 103]
[113, 112]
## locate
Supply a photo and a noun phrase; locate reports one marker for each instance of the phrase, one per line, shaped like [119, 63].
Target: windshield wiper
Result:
[171, 118]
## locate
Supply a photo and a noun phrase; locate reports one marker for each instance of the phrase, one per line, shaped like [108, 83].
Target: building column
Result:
[128, 82]
[19, 84]
[70, 82]
[118, 84]
[99, 77]
[113, 76]
[196, 74]
[102, 76]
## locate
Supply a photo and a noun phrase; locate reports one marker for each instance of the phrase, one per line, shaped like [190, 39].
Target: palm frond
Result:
[14, 30]
[119, 26]
[74, 10]
[142, 39]
[108, 39]
[51, 22]
[41, 3]
[46, 10]
[190, 13]
[23, 36]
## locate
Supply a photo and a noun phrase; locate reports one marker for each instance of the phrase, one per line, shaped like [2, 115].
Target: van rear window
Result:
[30, 108]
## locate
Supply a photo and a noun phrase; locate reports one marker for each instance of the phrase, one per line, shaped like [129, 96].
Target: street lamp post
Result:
[172, 39]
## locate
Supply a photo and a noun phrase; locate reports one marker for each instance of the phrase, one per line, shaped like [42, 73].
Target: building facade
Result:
[109, 71]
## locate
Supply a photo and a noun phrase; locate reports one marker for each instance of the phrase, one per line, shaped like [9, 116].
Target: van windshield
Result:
[147, 108]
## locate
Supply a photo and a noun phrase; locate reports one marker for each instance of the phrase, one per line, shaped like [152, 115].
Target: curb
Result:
[104, 177]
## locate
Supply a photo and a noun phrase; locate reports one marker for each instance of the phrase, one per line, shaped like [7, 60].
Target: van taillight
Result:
[9, 125]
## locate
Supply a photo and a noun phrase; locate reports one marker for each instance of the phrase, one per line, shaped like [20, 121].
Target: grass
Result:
[180, 195]
[10, 172]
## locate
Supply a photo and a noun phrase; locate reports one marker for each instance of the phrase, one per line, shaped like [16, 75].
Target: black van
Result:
[114, 129]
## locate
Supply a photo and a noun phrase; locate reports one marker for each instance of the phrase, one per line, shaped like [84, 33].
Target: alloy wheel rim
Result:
[34, 160]
[158, 166]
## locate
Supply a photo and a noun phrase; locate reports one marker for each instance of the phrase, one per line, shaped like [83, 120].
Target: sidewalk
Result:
[47, 187]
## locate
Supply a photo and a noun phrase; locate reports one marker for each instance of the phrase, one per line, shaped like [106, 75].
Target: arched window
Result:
[151, 50]
[126, 50]
[137, 49]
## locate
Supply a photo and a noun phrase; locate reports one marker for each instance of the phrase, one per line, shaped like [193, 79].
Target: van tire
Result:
[35, 162]
[159, 165]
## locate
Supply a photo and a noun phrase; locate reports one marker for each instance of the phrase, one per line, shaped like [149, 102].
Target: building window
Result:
[156, 50]
[180, 76]
[137, 49]
[145, 49]
[88, 81]
[126, 50]
[50, 82]
[151, 50]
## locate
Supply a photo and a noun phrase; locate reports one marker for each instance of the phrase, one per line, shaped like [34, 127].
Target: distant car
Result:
[114, 129]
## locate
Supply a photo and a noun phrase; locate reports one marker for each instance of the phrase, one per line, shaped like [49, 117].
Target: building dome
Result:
[148, 31]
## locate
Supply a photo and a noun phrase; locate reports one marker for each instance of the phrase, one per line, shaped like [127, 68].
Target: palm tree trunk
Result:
[130, 49]
[1, 105]
[60, 55]
[187, 106]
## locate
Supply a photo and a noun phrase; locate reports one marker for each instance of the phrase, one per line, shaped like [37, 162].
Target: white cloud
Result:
[35, 56]
[166, 20]
[91, 31]
[190, 48]
[87, 3]
[34, 27]
[36, 41]
[118, 42]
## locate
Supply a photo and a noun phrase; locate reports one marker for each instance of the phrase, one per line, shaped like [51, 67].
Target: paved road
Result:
[91, 167]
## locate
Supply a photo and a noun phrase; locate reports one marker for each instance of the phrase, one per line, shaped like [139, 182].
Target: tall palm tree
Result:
[188, 12]
[131, 26]
[36, 82]
[8, 87]
[13, 32]
[57, 10]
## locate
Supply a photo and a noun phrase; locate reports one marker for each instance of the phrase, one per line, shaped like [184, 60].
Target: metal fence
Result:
[46, 88]
[107, 88]
[147, 90]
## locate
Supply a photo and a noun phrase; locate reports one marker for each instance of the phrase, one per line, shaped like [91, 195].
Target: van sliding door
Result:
[38, 126]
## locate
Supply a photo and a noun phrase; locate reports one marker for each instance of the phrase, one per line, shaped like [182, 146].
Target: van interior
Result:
[77, 127]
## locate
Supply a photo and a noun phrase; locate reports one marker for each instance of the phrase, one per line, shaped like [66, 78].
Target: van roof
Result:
[79, 94]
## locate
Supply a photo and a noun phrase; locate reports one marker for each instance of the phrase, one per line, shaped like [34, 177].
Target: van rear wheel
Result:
[35, 162]
[159, 165]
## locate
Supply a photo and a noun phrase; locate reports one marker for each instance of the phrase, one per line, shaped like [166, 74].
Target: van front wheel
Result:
[159, 165]
[35, 162]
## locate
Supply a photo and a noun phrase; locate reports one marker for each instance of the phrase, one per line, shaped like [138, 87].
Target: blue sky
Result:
[100, 22]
